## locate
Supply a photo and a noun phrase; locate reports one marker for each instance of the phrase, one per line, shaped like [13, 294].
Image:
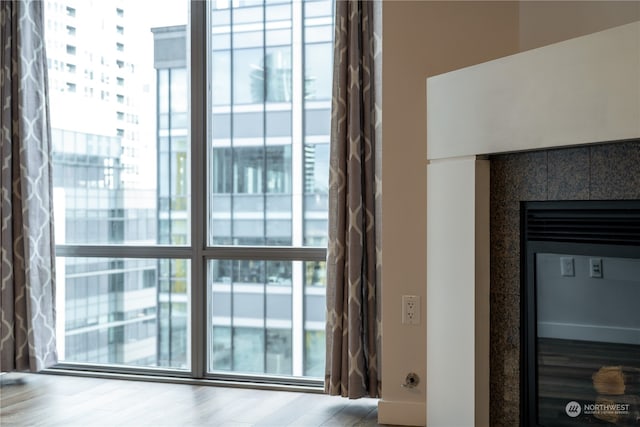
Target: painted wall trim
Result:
[579, 91]
[401, 413]
[457, 292]
[482, 292]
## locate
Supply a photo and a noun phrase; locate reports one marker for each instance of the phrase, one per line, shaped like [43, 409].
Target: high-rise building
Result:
[105, 303]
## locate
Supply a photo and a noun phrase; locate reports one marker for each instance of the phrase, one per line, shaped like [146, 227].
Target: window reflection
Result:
[252, 67]
[318, 71]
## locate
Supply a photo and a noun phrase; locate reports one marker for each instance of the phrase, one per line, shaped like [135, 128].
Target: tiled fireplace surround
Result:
[608, 171]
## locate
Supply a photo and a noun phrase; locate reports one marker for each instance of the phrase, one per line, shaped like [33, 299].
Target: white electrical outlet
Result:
[595, 268]
[410, 309]
[567, 267]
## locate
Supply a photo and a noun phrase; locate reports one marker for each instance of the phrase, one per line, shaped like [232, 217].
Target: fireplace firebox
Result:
[580, 313]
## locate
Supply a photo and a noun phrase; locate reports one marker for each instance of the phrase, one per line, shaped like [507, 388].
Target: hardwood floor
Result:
[54, 400]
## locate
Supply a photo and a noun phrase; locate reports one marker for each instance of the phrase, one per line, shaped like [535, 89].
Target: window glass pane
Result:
[251, 310]
[322, 33]
[254, 137]
[119, 118]
[278, 73]
[316, 193]
[278, 174]
[280, 12]
[278, 37]
[267, 184]
[248, 76]
[221, 126]
[248, 354]
[247, 39]
[317, 121]
[314, 353]
[318, 75]
[314, 9]
[221, 348]
[220, 17]
[279, 123]
[221, 77]
[278, 351]
[243, 15]
[252, 195]
[179, 91]
[318, 71]
[248, 125]
[117, 311]
[221, 42]
[314, 318]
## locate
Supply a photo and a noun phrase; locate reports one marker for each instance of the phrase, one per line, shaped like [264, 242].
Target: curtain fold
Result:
[27, 319]
[353, 271]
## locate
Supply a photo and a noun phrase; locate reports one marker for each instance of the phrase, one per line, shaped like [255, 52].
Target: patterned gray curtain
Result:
[27, 328]
[353, 273]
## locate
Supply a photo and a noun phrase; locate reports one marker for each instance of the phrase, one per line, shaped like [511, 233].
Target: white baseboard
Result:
[402, 413]
[589, 332]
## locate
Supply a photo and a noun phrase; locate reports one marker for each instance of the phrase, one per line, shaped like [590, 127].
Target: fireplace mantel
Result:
[582, 91]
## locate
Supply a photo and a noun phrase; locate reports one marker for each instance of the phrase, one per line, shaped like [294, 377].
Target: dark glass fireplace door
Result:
[587, 339]
[580, 313]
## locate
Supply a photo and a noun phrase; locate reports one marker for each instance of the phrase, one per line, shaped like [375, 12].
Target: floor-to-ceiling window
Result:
[268, 175]
[191, 174]
[122, 300]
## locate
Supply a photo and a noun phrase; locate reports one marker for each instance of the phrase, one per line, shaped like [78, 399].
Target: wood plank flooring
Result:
[54, 400]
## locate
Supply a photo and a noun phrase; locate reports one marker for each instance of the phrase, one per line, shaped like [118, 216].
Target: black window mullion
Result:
[199, 131]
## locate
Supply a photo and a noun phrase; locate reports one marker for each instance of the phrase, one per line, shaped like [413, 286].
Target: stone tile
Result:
[504, 417]
[504, 323]
[568, 174]
[615, 171]
[504, 274]
[504, 407]
[510, 410]
[511, 366]
[504, 358]
[505, 250]
[519, 176]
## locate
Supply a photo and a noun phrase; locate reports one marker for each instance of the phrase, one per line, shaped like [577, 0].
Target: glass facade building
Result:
[121, 116]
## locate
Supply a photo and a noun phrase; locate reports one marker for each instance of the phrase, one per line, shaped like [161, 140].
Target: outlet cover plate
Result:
[410, 310]
[567, 266]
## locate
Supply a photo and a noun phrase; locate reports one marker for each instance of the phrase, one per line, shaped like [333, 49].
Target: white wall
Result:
[420, 39]
[423, 39]
[545, 22]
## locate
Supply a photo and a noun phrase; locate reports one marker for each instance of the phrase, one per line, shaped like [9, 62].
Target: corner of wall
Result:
[482, 292]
